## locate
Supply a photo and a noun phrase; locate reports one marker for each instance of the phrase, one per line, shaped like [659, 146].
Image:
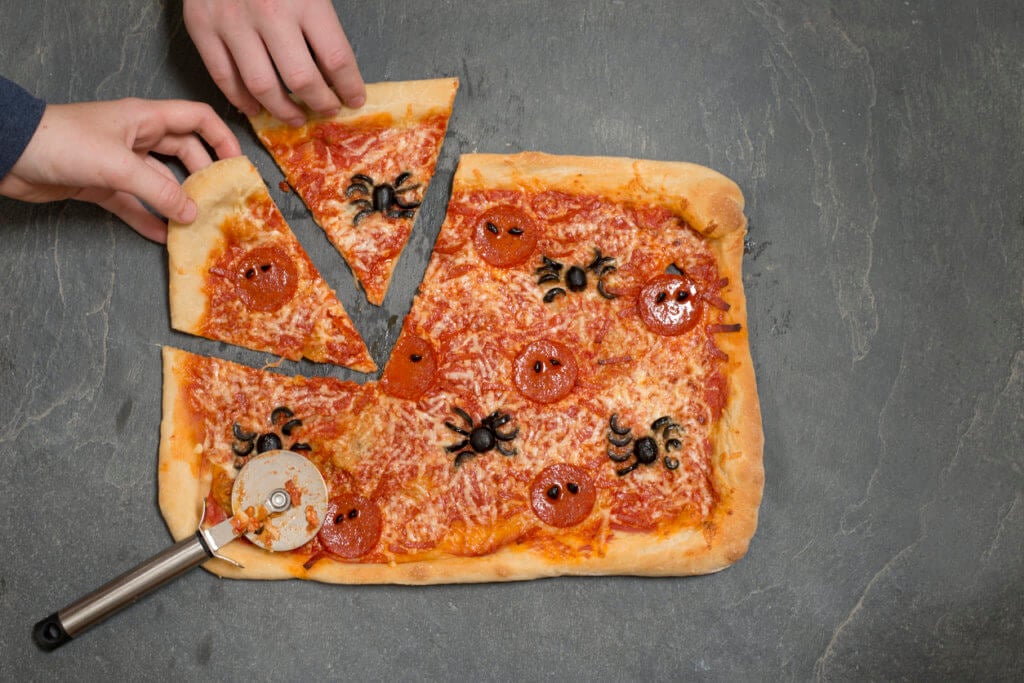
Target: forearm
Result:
[20, 114]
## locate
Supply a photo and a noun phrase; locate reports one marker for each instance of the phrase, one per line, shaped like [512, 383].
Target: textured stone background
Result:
[878, 144]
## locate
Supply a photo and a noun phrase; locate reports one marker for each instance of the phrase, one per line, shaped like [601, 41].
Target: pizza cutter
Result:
[278, 500]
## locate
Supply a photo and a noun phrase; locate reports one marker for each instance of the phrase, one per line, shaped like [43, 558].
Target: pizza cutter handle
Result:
[62, 626]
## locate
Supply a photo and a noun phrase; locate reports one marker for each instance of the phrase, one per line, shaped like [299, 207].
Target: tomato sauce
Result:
[410, 453]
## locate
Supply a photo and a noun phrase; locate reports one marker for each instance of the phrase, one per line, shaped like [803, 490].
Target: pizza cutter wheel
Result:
[278, 500]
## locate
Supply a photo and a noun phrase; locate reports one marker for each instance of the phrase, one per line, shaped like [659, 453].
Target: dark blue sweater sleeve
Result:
[19, 117]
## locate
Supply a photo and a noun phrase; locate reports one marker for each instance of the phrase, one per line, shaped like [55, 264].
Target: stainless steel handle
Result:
[62, 626]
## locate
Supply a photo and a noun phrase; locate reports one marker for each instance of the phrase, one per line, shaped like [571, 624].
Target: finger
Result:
[159, 166]
[261, 79]
[162, 193]
[130, 210]
[201, 23]
[294, 62]
[188, 148]
[225, 74]
[157, 119]
[334, 53]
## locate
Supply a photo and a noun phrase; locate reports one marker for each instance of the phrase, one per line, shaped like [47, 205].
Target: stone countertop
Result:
[878, 145]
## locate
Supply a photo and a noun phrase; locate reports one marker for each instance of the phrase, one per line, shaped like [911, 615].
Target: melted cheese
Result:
[402, 455]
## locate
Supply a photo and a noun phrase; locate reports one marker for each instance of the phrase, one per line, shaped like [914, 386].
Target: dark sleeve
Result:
[19, 117]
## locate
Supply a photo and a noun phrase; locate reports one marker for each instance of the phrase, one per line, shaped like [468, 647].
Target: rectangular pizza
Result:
[572, 392]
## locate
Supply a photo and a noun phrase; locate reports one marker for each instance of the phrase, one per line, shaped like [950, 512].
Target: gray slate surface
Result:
[879, 147]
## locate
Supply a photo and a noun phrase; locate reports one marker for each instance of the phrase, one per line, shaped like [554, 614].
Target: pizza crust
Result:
[713, 205]
[402, 100]
[182, 483]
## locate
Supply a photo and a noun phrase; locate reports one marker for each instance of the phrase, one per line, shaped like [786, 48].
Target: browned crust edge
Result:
[403, 100]
[182, 483]
[709, 201]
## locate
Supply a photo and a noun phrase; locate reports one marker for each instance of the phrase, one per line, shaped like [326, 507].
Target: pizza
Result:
[363, 173]
[572, 392]
[239, 275]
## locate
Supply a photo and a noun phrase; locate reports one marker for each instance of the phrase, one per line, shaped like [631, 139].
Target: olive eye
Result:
[495, 230]
[250, 273]
[352, 514]
[555, 492]
[538, 366]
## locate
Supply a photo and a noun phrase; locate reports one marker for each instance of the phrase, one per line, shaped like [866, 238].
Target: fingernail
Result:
[357, 101]
[296, 122]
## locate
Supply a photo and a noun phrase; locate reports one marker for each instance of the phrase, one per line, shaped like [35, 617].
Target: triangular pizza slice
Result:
[364, 172]
[239, 275]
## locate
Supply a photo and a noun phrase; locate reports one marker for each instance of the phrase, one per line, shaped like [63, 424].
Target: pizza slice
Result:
[364, 172]
[239, 275]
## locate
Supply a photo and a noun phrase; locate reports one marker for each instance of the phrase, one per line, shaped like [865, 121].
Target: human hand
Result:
[100, 152]
[242, 42]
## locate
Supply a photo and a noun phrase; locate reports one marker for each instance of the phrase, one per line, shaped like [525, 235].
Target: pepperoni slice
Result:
[545, 371]
[410, 371]
[266, 278]
[505, 236]
[669, 304]
[562, 495]
[352, 526]
[715, 393]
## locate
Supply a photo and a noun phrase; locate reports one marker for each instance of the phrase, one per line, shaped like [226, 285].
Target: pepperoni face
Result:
[352, 526]
[669, 305]
[266, 278]
[545, 371]
[410, 371]
[505, 236]
[562, 495]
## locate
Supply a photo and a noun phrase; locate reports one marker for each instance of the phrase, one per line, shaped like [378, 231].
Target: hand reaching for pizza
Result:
[246, 44]
[100, 152]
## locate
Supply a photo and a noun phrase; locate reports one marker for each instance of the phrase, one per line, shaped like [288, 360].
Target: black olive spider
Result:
[246, 442]
[575, 276]
[481, 437]
[383, 198]
[645, 449]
